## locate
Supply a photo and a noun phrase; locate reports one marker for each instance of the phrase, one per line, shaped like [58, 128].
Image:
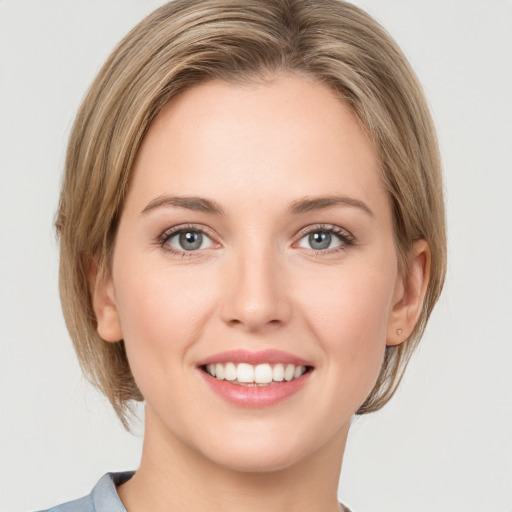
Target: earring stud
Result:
[399, 332]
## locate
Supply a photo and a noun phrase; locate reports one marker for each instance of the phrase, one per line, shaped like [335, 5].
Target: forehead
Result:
[289, 134]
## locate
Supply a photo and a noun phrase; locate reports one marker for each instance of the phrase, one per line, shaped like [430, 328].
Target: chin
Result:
[256, 461]
[264, 449]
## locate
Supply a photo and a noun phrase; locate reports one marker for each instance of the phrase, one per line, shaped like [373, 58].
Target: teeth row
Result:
[259, 374]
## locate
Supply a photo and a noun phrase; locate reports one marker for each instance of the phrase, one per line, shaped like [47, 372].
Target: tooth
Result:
[299, 371]
[245, 373]
[219, 371]
[230, 372]
[278, 372]
[289, 372]
[260, 374]
[263, 374]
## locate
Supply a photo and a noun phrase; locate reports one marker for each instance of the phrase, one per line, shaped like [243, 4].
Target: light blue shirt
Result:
[103, 497]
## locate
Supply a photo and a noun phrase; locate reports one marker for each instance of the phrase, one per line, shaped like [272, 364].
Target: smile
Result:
[246, 374]
[250, 379]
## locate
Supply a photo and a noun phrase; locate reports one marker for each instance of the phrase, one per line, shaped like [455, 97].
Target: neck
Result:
[173, 476]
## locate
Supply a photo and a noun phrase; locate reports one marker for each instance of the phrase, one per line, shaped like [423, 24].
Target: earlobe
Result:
[409, 295]
[104, 305]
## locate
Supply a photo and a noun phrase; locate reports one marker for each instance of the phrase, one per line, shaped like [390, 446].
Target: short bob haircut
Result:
[187, 42]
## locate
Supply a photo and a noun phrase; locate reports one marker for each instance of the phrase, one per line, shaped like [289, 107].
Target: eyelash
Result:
[346, 238]
[168, 234]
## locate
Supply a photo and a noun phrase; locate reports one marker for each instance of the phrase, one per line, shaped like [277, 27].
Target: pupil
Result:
[191, 240]
[320, 240]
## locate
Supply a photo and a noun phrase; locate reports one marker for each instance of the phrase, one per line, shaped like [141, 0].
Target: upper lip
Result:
[270, 356]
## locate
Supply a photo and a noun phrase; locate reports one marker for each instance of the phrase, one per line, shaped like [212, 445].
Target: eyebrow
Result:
[197, 204]
[309, 204]
[304, 205]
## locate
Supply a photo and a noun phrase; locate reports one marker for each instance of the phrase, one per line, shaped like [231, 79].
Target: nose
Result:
[256, 295]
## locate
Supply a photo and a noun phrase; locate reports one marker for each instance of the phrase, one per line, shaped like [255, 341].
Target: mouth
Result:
[264, 374]
[259, 379]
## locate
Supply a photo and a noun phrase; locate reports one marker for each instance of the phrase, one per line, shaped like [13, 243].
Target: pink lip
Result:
[255, 396]
[270, 356]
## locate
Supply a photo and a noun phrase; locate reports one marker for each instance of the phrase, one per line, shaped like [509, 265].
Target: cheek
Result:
[350, 305]
[350, 319]
[161, 317]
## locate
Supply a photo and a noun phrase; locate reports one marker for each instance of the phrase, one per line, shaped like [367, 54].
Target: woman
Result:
[252, 241]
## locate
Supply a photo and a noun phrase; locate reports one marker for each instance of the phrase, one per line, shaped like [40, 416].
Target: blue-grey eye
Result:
[188, 240]
[320, 240]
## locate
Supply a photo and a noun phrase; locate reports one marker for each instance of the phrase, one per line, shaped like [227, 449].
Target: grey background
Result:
[444, 443]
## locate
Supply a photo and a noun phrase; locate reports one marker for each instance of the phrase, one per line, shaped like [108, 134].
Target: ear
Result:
[409, 295]
[104, 304]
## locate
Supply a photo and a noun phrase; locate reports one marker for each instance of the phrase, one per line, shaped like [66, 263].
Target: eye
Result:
[186, 240]
[326, 238]
[319, 241]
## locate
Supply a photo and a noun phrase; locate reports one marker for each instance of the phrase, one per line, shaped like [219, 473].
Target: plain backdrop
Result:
[444, 443]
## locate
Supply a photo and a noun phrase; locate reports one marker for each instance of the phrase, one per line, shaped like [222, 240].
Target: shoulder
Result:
[103, 497]
[84, 504]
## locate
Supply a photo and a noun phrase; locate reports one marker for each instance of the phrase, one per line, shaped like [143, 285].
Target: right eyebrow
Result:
[309, 204]
[199, 204]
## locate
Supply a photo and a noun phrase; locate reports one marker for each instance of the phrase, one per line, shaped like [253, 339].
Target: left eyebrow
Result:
[198, 204]
[309, 204]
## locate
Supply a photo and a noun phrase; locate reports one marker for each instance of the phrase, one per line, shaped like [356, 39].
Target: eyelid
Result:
[344, 235]
[346, 238]
[200, 228]
[324, 227]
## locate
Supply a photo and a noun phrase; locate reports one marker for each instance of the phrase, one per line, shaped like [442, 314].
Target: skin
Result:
[256, 284]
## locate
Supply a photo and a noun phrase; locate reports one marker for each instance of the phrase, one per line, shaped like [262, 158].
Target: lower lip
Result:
[255, 396]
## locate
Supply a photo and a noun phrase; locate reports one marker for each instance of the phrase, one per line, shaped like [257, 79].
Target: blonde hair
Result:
[186, 42]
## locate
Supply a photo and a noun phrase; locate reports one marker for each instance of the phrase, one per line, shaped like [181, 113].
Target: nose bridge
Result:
[256, 296]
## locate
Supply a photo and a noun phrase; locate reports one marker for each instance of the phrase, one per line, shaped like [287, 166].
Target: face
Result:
[255, 244]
